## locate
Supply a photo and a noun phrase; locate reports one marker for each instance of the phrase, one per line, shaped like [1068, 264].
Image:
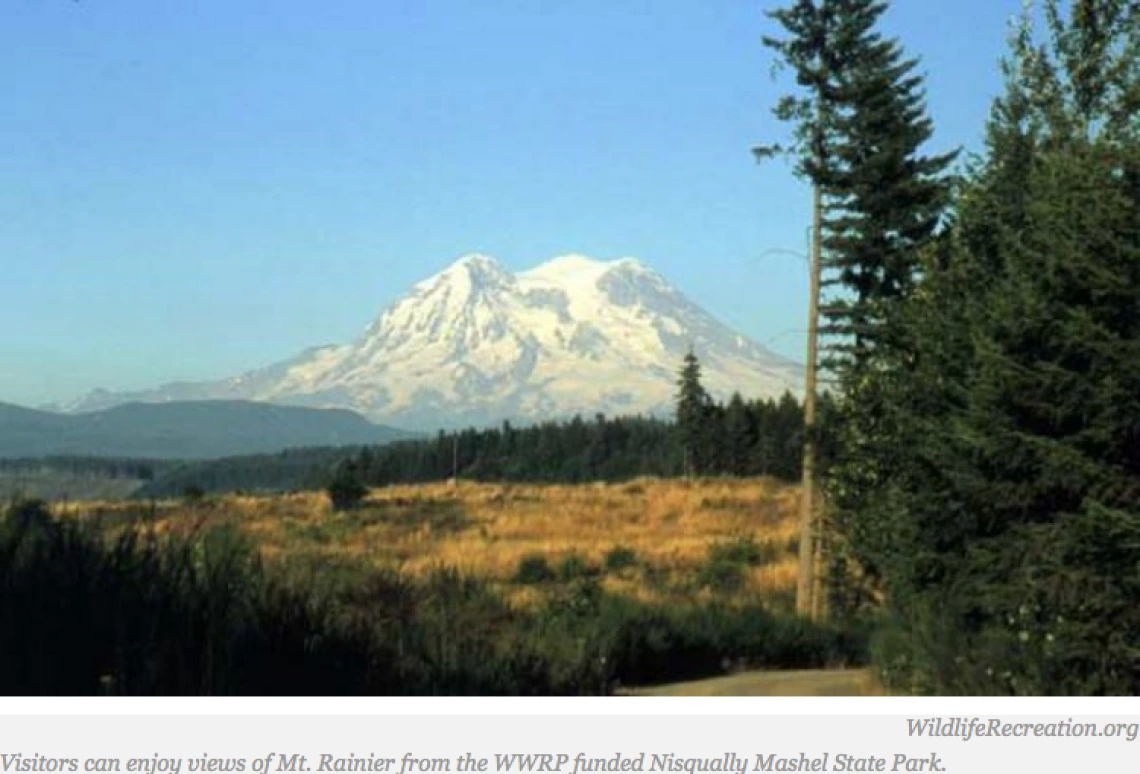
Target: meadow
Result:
[652, 539]
[53, 485]
[441, 588]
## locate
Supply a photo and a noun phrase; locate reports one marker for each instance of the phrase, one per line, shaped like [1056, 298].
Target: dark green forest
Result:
[982, 322]
[765, 440]
[734, 438]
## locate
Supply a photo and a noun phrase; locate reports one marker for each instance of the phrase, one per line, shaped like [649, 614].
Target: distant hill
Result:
[183, 430]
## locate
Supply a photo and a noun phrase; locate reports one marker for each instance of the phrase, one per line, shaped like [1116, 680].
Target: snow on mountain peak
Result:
[580, 268]
[632, 264]
[477, 262]
[477, 344]
[570, 264]
[477, 267]
[469, 274]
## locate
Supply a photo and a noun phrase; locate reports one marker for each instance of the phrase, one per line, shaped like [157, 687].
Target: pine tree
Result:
[693, 409]
[860, 125]
[739, 436]
[810, 52]
[885, 198]
[885, 205]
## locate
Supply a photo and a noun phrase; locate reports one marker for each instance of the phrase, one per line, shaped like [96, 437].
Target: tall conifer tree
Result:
[861, 125]
[693, 409]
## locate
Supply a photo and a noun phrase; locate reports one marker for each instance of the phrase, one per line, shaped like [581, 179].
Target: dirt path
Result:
[816, 682]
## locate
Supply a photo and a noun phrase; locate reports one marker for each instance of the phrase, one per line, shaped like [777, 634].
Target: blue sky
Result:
[194, 189]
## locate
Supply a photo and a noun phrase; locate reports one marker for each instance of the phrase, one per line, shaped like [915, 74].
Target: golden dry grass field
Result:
[651, 536]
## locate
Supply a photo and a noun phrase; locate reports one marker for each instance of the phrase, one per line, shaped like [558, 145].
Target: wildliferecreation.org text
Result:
[974, 728]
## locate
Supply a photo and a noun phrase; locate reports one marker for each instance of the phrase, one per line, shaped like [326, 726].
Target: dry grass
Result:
[487, 529]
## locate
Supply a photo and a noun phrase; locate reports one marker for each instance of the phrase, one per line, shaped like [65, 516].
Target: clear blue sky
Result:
[191, 189]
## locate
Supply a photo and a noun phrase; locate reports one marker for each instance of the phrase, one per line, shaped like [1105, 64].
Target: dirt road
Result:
[821, 682]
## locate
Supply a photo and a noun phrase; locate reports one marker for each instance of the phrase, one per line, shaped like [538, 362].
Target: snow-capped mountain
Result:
[476, 344]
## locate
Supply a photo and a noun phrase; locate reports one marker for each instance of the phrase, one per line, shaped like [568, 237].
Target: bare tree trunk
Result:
[806, 591]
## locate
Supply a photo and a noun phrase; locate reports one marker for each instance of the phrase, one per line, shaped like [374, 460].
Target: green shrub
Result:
[28, 515]
[532, 569]
[574, 566]
[609, 640]
[346, 490]
[620, 558]
[141, 615]
[723, 570]
[720, 575]
[657, 577]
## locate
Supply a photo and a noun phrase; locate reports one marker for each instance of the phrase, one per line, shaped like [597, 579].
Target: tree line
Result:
[76, 465]
[759, 437]
[738, 437]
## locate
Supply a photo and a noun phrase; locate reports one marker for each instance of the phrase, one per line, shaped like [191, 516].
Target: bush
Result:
[620, 558]
[346, 490]
[723, 570]
[533, 568]
[608, 640]
[1049, 609]
[28, 515]
[575, 566]
[720, 575]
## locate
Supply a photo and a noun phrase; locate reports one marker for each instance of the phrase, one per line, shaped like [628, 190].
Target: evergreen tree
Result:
[885, 198]
[884, 207]
[860, 124]
[693, 410]
[739, 436]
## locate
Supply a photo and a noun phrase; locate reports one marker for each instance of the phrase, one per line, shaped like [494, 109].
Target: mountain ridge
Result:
[476, 344]
[183, 430]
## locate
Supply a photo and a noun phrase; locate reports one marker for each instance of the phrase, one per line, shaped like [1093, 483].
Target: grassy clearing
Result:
[484, 589]
[653, 540]
[58, 485]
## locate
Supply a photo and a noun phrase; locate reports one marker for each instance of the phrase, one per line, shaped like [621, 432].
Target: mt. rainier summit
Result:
[475, 344]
